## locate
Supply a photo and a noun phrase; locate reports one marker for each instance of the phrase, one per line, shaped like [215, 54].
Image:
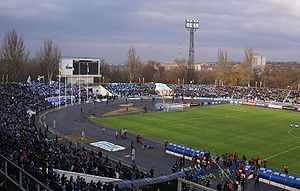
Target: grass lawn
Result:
[222, 128]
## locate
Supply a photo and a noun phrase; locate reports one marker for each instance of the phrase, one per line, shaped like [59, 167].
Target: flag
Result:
[59, 69]
[29, 80]
[39, 78]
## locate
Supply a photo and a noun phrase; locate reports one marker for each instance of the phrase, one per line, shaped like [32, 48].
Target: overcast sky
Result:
[96, 28]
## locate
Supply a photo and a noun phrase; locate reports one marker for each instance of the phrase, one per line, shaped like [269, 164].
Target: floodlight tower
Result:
[191, 25]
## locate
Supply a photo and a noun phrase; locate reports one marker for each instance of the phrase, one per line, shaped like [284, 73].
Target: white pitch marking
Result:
[289, 132]
[283, 152]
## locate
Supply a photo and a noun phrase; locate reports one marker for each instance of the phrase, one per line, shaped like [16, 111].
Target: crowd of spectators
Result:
[30, 147]
[68, 90]
[293, 97]
[56, 89]
[230, 167]
[135, 90]
[231, 92]
[132, 90]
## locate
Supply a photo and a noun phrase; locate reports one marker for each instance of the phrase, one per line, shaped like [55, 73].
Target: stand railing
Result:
[21, 179]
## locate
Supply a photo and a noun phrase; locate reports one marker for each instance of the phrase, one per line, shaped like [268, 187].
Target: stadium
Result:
[98, 96]
[150, 142]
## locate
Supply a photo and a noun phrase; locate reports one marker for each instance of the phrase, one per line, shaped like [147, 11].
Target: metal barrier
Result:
[192, 185]
[87, 177]
[23, 180]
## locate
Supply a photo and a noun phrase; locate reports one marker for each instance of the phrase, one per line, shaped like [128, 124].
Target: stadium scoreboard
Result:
[80, 68]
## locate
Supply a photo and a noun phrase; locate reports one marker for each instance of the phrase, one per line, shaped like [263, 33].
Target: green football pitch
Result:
[223, 129]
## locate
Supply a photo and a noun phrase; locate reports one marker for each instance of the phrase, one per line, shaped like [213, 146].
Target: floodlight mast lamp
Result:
[191, 25]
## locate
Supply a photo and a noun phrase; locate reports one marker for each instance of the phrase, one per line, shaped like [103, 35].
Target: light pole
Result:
[65, 87]
[59, 76]
[191, 25]
[54, 125]
[87, 82]
[79, 93]
[72, 86]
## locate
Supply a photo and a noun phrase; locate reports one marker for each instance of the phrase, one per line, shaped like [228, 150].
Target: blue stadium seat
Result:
[193, 152]
[276, 177]
[290, 181]
[265, 173]
[248, 168]
[180, 150]
[280, 178]
[186, 151]
[297, 183]
[170, 147]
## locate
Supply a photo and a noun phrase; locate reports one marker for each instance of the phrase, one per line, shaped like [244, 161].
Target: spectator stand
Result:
[42, 123]
[19, 177]
[16, 128]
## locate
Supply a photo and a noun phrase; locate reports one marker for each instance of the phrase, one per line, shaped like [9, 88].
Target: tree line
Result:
[16, 66]
[224, 72]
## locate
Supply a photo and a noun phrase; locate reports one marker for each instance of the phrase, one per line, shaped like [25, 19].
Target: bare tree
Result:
[246, 67]
[179, 71]
[105, 70]
[49, 57]
[183, 70]
[160, 73]
[223, 67]
[132, 64]
[205, 77]
[118, 73]
[14, 55]
[234, 78]
[148, 71]
[32, 68]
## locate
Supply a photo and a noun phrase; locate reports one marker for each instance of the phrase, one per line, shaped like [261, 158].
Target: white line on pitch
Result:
[283, 152]
[289, 132]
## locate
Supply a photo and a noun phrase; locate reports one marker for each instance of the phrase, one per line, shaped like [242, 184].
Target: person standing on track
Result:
[116, 133]
[256, 180]
[286, 169]
[151, 172]
[132, 145]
